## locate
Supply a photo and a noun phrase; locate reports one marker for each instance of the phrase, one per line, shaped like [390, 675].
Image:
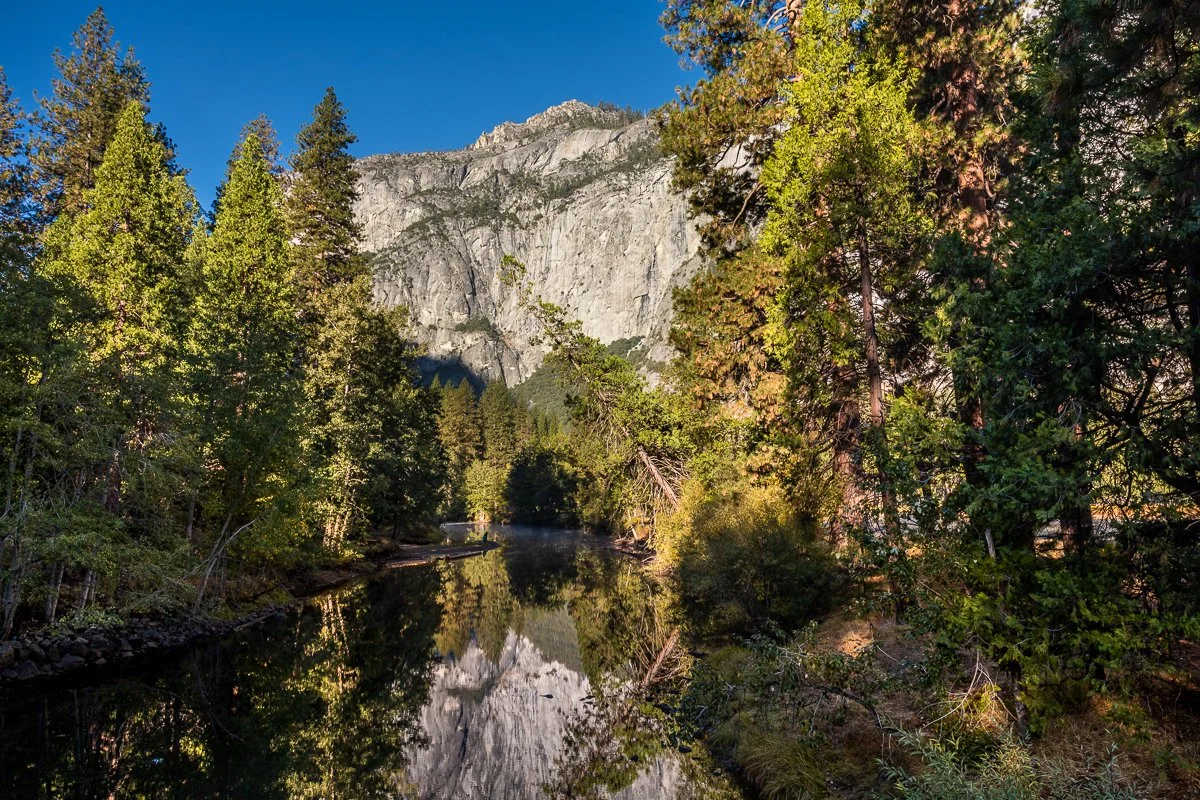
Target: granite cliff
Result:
[580, 194]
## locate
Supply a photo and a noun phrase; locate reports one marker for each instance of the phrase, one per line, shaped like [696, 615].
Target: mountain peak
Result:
[571, 114]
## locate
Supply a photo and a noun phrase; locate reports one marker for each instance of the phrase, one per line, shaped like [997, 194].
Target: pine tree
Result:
[498, 416]
[123, 256]
[968, 64]
[262, 128]
[321, 205]
[20, 336]
[723, 129]
[405, 466]
[126, 251]
[461, 437]
[243, 359]
[335, 289]
[78, 120]
[840, 187]
[15, 233]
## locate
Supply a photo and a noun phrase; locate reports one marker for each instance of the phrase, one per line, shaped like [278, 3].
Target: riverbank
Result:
[43, 657]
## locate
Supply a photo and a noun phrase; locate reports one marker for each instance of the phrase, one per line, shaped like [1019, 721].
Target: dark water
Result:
[507, 675]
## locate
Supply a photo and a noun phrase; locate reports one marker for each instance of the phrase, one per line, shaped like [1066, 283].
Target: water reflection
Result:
[521, 673]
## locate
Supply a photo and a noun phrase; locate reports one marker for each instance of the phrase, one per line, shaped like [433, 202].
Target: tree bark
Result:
[847, 464]
[56, 575]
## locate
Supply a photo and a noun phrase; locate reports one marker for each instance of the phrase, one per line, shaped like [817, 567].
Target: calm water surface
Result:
[505, 676]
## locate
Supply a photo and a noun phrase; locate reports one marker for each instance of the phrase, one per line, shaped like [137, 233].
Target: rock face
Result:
[497, 728]
[581, 195]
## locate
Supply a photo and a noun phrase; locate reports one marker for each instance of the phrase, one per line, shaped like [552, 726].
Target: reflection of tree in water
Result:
[622, 745]
[629, 630]
[330, 703]
[322, 707]
[476, 598]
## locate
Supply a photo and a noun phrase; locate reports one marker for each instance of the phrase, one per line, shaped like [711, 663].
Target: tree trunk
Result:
[1076, 528]
[1192, 295]
[875, 378]
[112, 481]
[89, 589]
[12, 590]
[847, 464]
[874, 374]
[659, 480]
[55, 585]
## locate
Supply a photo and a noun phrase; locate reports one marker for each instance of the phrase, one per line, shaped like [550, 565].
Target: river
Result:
[514, 674]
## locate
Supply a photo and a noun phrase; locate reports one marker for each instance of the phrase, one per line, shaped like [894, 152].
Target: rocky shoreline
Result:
[40, 657]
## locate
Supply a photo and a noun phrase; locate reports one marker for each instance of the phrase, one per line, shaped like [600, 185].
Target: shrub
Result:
[1007, 772]
[748, 561]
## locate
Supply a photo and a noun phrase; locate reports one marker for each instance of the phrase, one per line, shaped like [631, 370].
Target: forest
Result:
[192, 401]
[924, 469]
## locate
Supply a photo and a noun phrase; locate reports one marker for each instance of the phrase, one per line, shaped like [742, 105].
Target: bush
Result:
[748, 561]
[1008, 772]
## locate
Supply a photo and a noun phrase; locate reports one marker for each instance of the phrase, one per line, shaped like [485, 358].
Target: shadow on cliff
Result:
[450, 371]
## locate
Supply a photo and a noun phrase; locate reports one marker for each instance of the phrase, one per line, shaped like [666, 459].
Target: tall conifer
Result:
[79, 119]
[125, 252]
[334, 281]
[243, 347]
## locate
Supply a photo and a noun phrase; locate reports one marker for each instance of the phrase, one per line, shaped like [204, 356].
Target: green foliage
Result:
[78, 119]
[480, 324]
[542, 392]
[243, 342]
[498, 417]
[320, 203]
[734, 109]
[747, 560]
[462, 441]
[614, 410]
[782, 767]
[1005, 772]
[182, 405]
[541, 487]
[484, 485]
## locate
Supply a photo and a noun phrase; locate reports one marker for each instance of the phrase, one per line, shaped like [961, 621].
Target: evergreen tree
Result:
[22, 298]
[123, 255]
[334, 282]
[125, 252]
[723, 129]
[15, 232]
[321, 205]
[78, 120]
[262, 128]
[243, 351]
[840, 183]
[405, 466]
[968, 64]
[498, 416]
[461, 438]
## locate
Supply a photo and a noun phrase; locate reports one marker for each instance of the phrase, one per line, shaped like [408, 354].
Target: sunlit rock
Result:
[581, 195]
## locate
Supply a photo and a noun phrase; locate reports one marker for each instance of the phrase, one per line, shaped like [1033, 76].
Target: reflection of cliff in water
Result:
[468, 679]
[495, 728]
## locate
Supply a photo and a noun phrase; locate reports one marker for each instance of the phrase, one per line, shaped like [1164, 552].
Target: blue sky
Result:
[415, 76]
